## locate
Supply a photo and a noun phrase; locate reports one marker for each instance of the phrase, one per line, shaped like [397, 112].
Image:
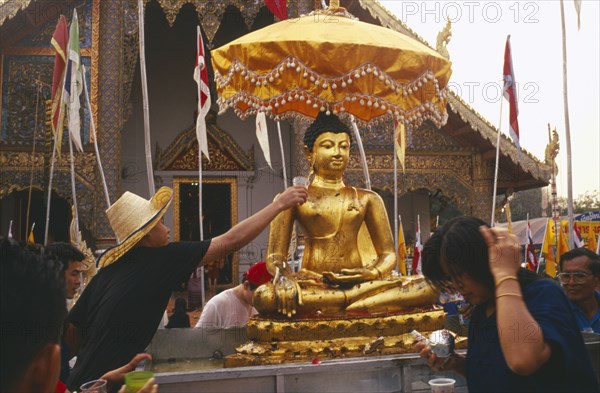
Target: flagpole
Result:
[394, 158]
[567, 126]
[73, 192]
[146, 106]
[35, 125]
[60, 126]
[93, 125]
[542, 249]
[200, 118]
[527, 242]
[497, 164]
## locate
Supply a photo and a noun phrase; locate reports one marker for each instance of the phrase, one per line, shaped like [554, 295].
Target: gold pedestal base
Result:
[279, 340]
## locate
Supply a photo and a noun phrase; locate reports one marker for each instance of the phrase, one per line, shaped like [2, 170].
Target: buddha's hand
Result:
[288, 295]
[351, 276]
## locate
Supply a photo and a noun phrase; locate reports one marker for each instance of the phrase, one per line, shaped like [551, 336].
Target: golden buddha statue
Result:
[349, 252]
[345, 301]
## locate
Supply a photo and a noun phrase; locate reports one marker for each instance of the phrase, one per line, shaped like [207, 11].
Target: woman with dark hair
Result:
[522, 334]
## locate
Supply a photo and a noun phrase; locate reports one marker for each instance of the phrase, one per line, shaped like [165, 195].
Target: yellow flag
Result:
[548, 250]
[592, 245]
[401, 251]
[30, 238]
[400, 142]
[563, 246]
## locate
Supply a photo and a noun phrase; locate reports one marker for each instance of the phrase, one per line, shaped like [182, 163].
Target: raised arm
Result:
[245, 231]
[521, 337]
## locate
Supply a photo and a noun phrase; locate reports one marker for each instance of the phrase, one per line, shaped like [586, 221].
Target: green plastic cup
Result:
[135, 380]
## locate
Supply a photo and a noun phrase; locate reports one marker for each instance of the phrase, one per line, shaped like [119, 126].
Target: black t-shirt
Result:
[120, 309]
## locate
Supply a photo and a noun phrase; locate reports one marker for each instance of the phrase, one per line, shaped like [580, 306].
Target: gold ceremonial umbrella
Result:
[330, 61]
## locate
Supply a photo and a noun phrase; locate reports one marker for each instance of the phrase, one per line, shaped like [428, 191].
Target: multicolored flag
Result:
[577, 240]
[277, 8]
[73, 83]
[401, 250]
[416, 262]
[530, 257]
[201, 78]
[510, 93]
[59, 41]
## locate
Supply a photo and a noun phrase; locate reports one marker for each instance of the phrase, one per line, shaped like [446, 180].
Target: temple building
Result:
[448, 171]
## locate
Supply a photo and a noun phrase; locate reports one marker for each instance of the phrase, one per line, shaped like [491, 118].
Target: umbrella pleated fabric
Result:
[330, 61]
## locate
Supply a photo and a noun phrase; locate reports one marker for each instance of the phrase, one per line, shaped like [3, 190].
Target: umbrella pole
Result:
[394, 158]
[146, 106]
[283, 165]
[361, 150]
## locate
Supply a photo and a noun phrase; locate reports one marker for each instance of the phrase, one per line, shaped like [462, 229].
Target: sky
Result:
[479, 31]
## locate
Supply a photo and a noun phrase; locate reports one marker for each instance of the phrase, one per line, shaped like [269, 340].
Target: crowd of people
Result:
[523, 334]
[524, 330]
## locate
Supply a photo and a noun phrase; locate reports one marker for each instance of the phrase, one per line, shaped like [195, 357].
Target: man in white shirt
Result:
[233, 307]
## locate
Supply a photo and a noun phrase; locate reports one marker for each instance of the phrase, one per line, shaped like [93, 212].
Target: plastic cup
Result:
[300, 181]
[135, 380]
[95, 386]
[442, 385]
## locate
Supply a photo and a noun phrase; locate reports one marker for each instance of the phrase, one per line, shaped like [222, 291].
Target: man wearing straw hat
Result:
[118, 313]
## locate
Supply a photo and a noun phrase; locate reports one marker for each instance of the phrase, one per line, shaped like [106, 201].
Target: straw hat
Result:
[131, 217]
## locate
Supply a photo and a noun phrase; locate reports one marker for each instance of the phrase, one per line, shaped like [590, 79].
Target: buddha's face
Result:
[330, 153]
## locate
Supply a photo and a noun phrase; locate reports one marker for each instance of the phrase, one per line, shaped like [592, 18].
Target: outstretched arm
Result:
[245, 231]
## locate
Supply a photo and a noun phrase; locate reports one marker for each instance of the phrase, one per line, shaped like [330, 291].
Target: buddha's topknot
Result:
[324, 123]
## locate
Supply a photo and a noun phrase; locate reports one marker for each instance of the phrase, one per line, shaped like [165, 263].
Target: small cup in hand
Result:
[300, 181]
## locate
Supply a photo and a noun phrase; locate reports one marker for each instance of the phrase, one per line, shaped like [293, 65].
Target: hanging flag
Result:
[592, 244]
[31, 238]
[10, 235]
[416, 262]
[562, 246]
[263, 136]
[548, 249]
[577, 4]
[400, 141]
[201, 78]
[577, 241]
[510, 93]
[277, 8]
[401, 250]
[73, 84]
[530, 257]
[59, 41]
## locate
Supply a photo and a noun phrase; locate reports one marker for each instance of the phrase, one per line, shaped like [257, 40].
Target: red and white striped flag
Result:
[416, 262]
[60, 40]
[510, 93]
[532, 262]
[201, 78]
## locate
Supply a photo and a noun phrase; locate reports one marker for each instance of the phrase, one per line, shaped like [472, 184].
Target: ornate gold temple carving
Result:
[276, 342]
[225, 153]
